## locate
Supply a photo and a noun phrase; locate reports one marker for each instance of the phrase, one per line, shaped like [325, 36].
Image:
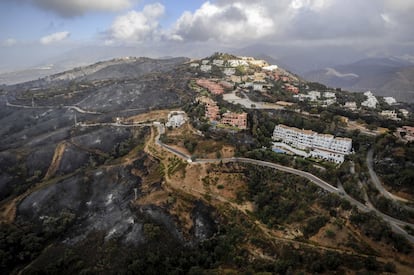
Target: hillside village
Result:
[239, 80]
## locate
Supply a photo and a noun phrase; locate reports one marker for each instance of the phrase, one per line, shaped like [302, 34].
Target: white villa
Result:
[205, 68]
[176, 119]
[351, 105]
[404, 112]
[329, 95]
[321, 146]
[390, 114]
[270, 68]
[390, 100]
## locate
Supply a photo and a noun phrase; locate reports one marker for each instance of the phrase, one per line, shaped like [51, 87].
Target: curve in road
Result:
[394, 223]
[378, 184]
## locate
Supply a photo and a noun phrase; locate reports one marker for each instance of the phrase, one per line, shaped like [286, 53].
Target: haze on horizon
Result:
[35, 32]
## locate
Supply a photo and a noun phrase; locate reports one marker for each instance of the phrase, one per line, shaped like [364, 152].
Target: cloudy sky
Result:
[35, 30]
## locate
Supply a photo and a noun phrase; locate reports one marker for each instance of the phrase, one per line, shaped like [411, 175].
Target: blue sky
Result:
[25, 22]
[33, 30]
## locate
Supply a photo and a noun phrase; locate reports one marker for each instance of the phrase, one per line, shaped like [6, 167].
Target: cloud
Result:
[338, 20]
[399, 16]
[70, 8]
[137, 26]
[54, 38]
[9, 42]
[238, 21]
[224, 22]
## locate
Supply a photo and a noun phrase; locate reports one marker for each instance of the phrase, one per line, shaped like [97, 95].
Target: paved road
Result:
[395, 224]
[380, 187]
[82, 111]
[76, 108]
[114, 124]
[28, 107]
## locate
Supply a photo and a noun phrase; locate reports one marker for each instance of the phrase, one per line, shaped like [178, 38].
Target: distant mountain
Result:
[303, 58]
[19, 76]
[71, 59]
[384, 76]
[118, 68]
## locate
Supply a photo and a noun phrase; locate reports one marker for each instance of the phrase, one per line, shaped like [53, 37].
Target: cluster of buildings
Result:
[212, 112]
[312, 144]
[258, 75]
[324, 99]
[371, 102]
[230, 64]
[255, 79]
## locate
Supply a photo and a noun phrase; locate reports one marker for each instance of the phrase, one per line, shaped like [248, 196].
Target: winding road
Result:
[380, 187]
[69, 107]
[396, 225]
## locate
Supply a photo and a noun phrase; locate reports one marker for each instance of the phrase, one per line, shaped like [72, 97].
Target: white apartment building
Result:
[371, 101]
[341, 145]
[323, 141]
[321, 146]
[328, 155]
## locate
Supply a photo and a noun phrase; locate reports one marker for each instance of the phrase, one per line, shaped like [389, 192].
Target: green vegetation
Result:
[162, 253]
[176, 164]
[395, 163]
[18, 245]
[287, 200]
[22, 242]
[375, 228]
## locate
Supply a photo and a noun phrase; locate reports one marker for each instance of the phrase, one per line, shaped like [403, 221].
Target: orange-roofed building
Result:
[212, 111]
[235, 119]
[285, 79]
[292, 89]
[211, 86]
